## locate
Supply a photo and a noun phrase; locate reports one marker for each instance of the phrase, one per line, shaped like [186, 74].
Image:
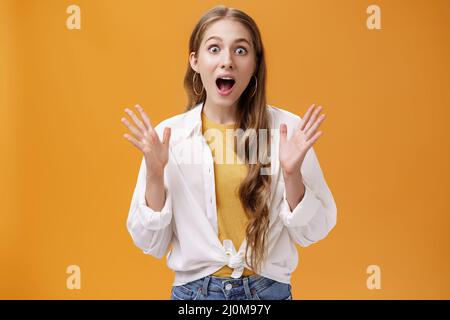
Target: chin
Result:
[221, 101]
[225, 101]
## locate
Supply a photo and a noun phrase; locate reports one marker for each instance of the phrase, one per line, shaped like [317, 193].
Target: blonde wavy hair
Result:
[254, 190]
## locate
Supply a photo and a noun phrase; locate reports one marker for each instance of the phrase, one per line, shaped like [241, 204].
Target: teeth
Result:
[226, 78]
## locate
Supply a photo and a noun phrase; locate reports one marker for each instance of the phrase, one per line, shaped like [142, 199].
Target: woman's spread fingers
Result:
[313, 118]
[144, 117]
[306, 117]
[135, 142]
[314, 138]
[315, 126]
[132, 128]
[166, 137]
[136, 120]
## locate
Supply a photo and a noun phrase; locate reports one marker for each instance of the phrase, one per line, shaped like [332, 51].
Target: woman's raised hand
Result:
[293, 151]
[145, 138]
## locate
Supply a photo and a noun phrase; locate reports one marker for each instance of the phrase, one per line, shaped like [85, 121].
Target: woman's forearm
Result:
[154, 193]
[295, 189]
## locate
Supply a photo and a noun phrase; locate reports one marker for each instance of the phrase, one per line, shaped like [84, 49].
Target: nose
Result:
[226, 61]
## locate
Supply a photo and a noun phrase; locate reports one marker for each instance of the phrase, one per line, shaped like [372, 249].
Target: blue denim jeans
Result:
[254, 287]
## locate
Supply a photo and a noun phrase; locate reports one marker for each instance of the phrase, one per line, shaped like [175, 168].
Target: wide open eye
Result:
[242, 51]
[211, 47]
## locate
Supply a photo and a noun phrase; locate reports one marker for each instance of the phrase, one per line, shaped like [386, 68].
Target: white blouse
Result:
[188, 220]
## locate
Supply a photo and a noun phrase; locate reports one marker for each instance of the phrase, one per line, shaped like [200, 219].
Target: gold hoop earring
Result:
[193, 85]
[256, 86]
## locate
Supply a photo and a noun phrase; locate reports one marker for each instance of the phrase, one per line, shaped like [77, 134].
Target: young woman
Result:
[232, 222]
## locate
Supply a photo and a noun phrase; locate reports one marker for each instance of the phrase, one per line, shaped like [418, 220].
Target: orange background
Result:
[67, 174]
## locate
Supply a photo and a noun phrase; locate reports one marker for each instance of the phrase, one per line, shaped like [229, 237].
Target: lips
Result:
[225, 85]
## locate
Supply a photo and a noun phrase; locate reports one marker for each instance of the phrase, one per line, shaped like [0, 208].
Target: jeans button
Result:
[228, 286]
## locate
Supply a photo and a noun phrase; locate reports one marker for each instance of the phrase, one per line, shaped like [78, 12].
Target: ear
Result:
[193, 61]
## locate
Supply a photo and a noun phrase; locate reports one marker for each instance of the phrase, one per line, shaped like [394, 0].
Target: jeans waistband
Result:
[246, 282]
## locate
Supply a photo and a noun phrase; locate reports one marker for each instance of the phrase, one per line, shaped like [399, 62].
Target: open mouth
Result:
[225, 86]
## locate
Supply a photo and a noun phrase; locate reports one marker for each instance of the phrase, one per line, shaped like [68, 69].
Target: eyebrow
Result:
[237, 40]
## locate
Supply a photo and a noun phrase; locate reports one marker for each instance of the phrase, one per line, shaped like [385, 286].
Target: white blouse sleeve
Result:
[315, 215]
[150, 230]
